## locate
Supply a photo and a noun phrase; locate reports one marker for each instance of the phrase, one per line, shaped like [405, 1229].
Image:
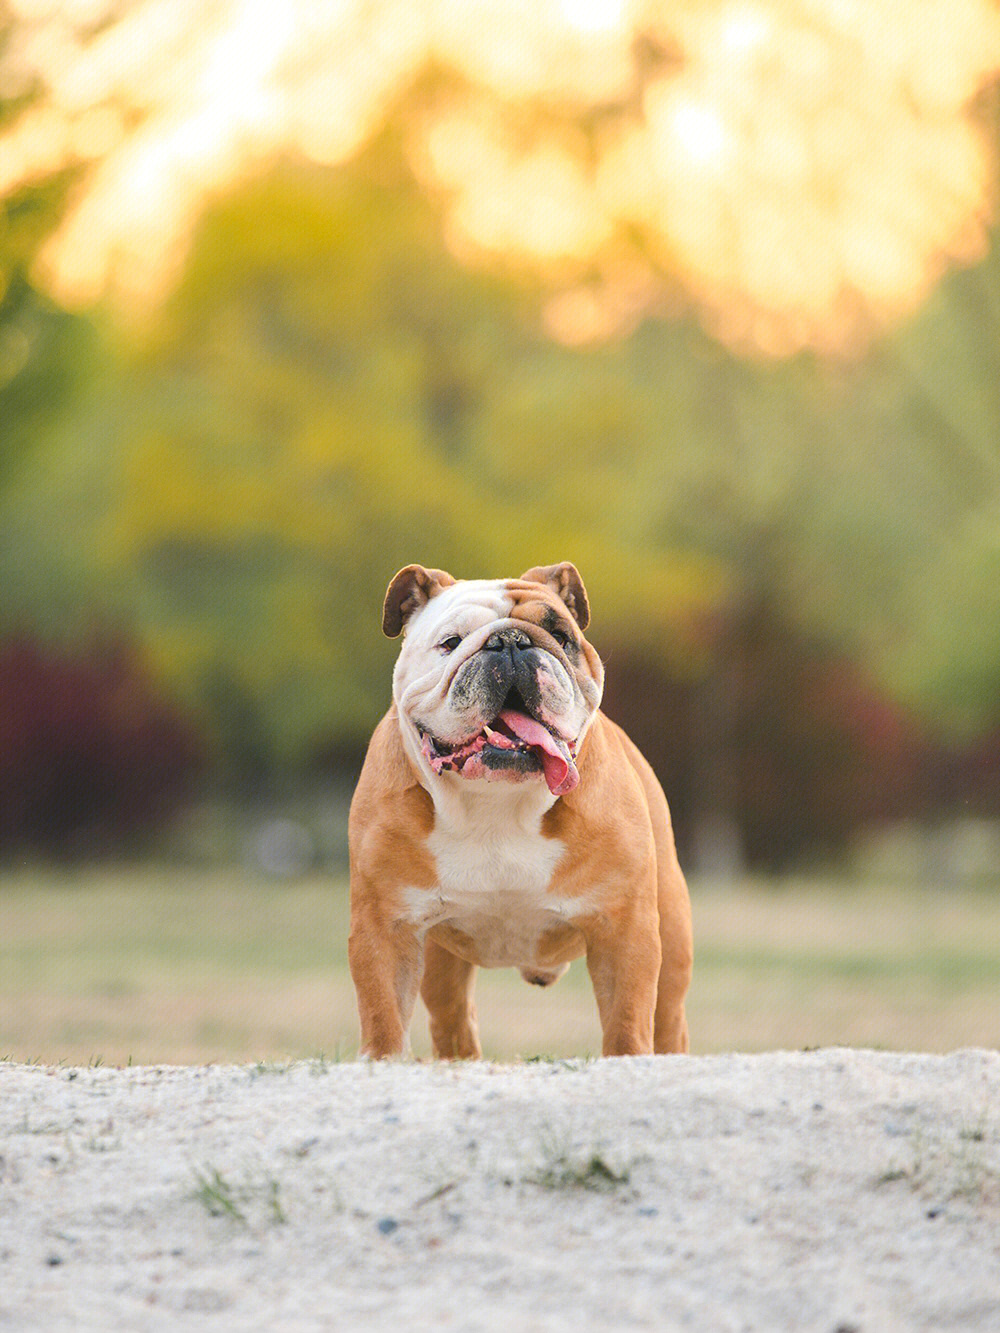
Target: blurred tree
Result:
[948, 663]
[44, 351]
[92, 757]
[784, 750]
[328, 396]
[305, 416]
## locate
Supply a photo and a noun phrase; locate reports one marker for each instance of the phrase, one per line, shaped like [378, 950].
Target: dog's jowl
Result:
[501, 820]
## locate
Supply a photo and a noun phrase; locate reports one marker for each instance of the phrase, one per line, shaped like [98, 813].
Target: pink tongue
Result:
[560, 771]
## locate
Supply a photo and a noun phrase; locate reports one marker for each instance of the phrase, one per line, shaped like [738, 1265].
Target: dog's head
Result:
[494, 679]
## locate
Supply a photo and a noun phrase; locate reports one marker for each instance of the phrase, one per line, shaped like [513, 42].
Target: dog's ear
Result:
[412, 588]
[565, 580]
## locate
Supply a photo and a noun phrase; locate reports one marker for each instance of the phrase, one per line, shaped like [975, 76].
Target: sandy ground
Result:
[827, 1190]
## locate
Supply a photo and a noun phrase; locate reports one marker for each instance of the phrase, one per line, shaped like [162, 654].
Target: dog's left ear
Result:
[410, 589]
[565, 580]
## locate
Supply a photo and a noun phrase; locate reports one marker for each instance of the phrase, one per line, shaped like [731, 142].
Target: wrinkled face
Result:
[495, 681]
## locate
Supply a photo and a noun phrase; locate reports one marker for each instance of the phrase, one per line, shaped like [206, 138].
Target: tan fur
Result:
[610, 889]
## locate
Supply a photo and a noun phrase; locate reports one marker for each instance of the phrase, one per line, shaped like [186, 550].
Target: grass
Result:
[949, 1165]
[172, 966]
[561, 1166]
[220, 1197]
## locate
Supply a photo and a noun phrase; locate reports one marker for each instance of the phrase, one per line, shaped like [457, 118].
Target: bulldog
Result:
[502, 820]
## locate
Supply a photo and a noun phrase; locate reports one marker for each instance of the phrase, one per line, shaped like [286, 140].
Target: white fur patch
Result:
[468, 603]
[494, 869]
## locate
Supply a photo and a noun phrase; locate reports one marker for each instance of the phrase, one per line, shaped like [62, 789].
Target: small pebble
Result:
[387, 1225]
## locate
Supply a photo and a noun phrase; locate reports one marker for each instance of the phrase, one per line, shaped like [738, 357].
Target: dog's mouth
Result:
[513, 746]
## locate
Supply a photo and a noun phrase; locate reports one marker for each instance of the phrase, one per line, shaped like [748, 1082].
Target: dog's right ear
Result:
[412, 588]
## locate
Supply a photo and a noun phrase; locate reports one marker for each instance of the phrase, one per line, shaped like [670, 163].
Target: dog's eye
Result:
[561, 637]
[449, 645]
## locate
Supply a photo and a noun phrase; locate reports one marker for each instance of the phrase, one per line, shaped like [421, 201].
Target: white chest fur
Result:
[494, 870]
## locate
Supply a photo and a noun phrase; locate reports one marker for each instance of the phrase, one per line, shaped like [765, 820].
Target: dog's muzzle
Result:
[500, 683]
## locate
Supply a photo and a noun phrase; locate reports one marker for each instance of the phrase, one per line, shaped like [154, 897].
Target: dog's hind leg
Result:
[670, 1033]
[447, 990]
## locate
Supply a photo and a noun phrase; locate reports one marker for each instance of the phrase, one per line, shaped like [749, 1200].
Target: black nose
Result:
[515, 639]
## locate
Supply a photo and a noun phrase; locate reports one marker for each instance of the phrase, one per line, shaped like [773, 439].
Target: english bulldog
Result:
[502, 820]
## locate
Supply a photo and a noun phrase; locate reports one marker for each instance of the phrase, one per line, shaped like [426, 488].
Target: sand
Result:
[827, 1190]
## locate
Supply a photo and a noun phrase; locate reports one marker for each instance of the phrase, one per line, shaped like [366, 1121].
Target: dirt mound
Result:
[827, 1190]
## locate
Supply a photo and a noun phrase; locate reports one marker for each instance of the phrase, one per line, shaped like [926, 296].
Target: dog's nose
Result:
[501, 639]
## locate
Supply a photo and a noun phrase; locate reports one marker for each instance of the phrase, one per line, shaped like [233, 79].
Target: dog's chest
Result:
[494, 877]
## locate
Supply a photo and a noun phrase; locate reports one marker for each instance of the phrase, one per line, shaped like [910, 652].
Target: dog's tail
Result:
[544, 976]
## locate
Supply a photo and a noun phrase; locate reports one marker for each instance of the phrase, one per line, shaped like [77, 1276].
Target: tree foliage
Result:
[44, 351]
[91, 754]
[328, 396]
[322, 402]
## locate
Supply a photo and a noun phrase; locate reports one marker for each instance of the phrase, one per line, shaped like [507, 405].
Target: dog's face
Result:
[494, 679]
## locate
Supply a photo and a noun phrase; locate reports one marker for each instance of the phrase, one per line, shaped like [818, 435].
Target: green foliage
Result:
[948, 661]
[44, 351]
[329, 396]
[307, 415]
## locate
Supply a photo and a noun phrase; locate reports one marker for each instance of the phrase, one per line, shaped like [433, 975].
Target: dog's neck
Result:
[488, 809]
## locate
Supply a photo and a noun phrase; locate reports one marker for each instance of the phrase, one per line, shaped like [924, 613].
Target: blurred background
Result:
[703, 296]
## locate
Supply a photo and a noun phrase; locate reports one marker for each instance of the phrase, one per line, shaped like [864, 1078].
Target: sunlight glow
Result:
[699, 131]
[745, 29]
[593, 15]
[804, 170]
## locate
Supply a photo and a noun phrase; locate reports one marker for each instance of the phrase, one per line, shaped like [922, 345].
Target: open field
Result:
[173, 966]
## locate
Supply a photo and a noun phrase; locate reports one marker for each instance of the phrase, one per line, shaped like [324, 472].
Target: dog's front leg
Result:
[386, 960]
[623, 959]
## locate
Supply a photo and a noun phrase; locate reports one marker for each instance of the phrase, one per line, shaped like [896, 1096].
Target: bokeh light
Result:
[801, 171]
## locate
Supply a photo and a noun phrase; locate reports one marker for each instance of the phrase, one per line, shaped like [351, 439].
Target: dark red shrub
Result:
[92, 755]
[658, 712]
[781, 738]
[966, 778]
[821, 754]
